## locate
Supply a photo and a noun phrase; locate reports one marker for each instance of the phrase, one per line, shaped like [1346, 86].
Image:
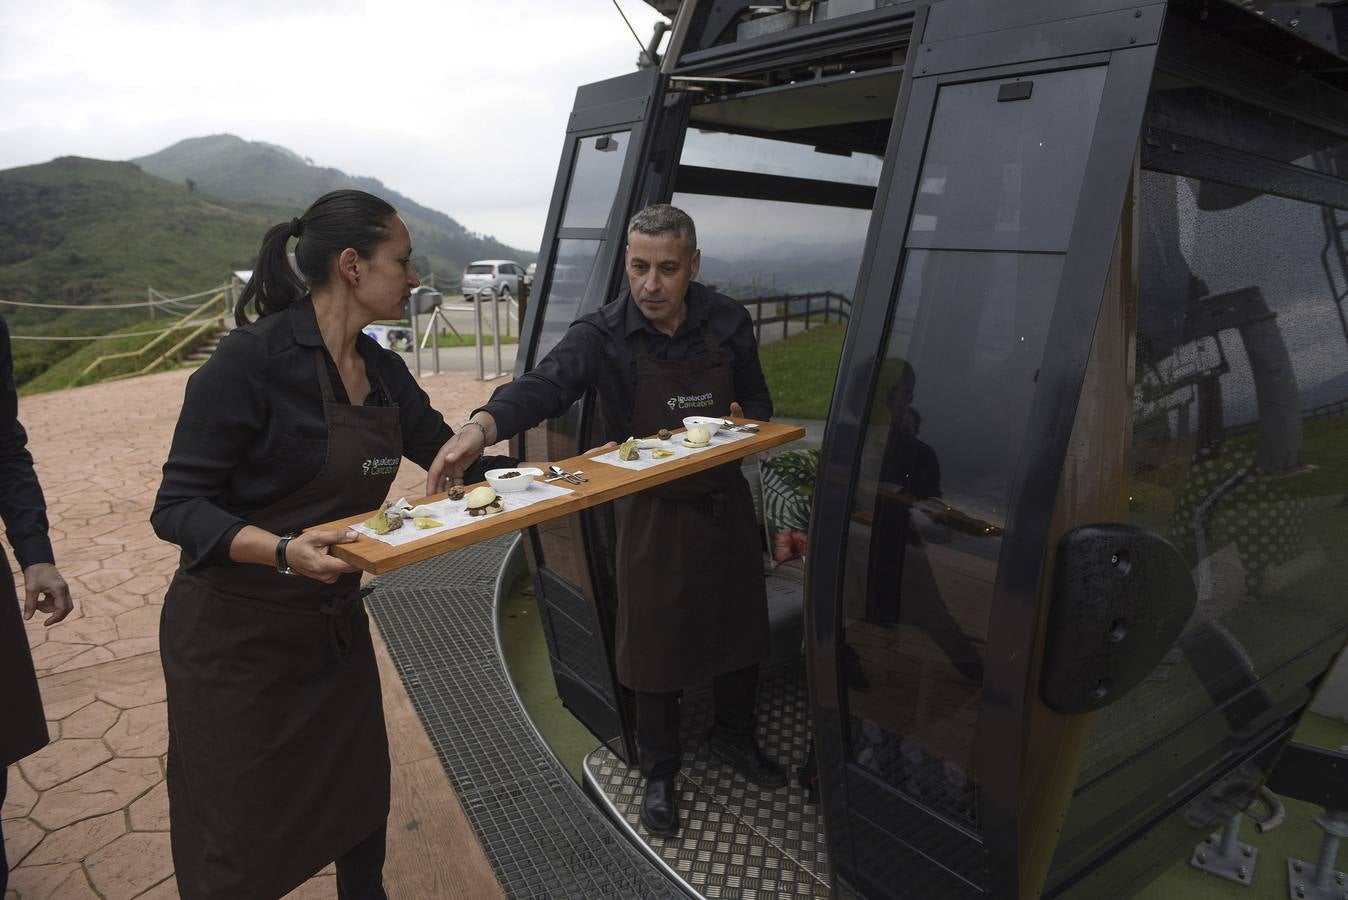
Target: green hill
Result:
[240, 171]
[90, 232]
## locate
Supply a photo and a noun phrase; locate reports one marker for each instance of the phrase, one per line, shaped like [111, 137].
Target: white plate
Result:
[517, 483]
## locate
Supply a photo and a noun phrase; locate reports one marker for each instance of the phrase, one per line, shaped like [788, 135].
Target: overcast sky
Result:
[460, 105]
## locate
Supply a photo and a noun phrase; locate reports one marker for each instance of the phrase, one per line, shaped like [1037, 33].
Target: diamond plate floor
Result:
[545, 838]
[738, 840]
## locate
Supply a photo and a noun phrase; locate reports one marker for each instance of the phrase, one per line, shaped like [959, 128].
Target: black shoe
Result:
[750, 762]
[660, 807]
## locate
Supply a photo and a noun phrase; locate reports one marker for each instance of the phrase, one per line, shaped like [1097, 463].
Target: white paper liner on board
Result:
[646, 459]
[454, 514]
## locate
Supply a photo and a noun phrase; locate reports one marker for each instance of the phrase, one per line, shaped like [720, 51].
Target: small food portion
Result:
[483, 501]
[421, 511]
[664, 434]
[627, 451]
[697, 436]
[509, 475]
[456, 492]
[662, 453]
[425, 522]
[649, 443]
[389, 518]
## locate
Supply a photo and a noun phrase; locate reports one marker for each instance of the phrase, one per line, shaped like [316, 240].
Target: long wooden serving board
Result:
[604, 483]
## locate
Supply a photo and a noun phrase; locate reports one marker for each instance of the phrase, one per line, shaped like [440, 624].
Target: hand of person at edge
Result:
[736, 411]
[45, 589]
[460, 452]
[309, 555]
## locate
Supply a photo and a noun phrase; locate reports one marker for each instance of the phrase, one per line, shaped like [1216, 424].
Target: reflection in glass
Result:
[804, 259]
[1239, 458]
[1185, 108]
[743, 153]
[998, 168]
[594, 179]
[571, 271]
[769, 247]
[953, 395]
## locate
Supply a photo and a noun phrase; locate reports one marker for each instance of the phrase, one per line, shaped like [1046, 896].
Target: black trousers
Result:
[360, 870]
[659, 751]
[4, 862]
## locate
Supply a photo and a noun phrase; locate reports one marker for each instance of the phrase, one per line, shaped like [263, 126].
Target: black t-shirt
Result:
[252, 429]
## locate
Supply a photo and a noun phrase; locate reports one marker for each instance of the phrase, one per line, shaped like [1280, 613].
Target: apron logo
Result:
[380, 465]
[694, 401]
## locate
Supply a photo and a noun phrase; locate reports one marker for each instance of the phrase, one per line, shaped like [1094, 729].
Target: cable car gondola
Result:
[1085, 265]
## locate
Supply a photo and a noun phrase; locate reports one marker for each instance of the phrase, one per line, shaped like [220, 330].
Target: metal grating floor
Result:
[544, 837]
[738, 839]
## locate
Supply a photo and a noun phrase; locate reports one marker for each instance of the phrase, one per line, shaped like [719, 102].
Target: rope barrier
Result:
[90, 306]
[103, 337]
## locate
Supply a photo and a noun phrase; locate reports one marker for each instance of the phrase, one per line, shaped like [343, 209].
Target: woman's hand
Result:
[308, 555]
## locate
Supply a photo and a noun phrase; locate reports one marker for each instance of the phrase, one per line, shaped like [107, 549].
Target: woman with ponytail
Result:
[278, 758]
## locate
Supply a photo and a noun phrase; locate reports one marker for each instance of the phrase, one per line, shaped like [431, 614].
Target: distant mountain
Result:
[809, 271]
[230, 168]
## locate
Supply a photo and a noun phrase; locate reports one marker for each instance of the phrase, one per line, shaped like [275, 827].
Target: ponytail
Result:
[335, 221]
[275, 284]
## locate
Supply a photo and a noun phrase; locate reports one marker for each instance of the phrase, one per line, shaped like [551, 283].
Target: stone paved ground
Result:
[88, 816]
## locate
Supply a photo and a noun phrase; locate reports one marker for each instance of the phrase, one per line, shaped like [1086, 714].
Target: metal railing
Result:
[204, 318]
[820, 305]
[488, 295]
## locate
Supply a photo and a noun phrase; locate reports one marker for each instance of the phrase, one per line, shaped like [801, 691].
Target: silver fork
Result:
[559, 472]
[726, 423]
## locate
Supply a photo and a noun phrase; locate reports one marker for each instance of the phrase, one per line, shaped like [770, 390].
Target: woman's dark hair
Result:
[334, 222]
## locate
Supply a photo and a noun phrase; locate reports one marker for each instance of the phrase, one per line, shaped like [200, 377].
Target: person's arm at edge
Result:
[22, 506]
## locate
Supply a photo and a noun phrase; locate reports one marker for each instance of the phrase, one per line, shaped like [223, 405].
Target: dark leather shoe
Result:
[660, 807]
[750, 762]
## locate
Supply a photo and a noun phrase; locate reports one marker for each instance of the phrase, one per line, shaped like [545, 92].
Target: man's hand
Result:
[460, 452]
[308, 554]
[736, 410]
[45, 589]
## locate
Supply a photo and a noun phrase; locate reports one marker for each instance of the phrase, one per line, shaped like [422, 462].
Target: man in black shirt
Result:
[23, 726]
[692, 604]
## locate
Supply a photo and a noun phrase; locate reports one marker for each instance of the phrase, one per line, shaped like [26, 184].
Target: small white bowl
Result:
[707, 422]
[517, 482]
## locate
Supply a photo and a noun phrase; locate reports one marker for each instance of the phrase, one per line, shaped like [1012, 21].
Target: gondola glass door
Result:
[604, 146]
[1002, 200]
[1088, 477]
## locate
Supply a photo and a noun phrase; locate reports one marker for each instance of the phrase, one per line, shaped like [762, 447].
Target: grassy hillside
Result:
[801, 370]
[89, 232]
[68, 371]
[240, 171]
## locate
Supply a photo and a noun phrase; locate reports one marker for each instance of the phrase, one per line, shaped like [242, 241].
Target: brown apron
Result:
[691, 597]
[23, 725]
[278, 758]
